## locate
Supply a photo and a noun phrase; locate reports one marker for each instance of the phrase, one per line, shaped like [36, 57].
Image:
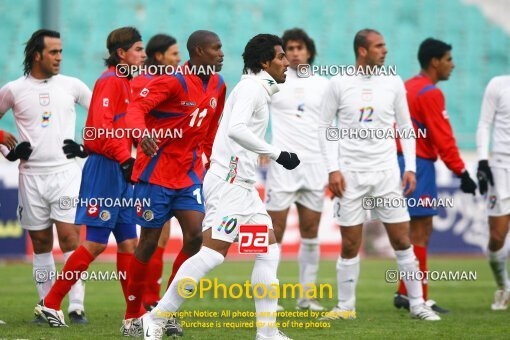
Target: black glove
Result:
[467, 185]
[127, 169]
[289, 160]
[484, 175]
[73, 149]
[22, 151]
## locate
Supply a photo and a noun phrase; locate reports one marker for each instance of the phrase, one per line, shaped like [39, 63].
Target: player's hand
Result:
[9, 140]
[22, 151]
[484, 175]
[127, 169]
[409, 182]
[288, 160]
[73, 149]
[336, 183]
[149, 146]
[467, 185]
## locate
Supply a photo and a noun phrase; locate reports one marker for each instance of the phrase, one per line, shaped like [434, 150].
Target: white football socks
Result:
[264, 273]
[196, 267]
[407, 264]
[77, 292]
[308, 257]
[43, 272]
[497, 260]
[347, 274]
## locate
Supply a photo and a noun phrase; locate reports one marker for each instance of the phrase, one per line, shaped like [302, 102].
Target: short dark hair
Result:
[124, 38]
[258, 50]
[298, 34]
[360, 39]
[158, 43]
[36, 45]
[432, 48]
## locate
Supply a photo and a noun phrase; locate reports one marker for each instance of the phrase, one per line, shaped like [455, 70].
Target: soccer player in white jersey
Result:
[495, 179]
[231, 199]
[43, 103]
[361, 169]
[294, 121]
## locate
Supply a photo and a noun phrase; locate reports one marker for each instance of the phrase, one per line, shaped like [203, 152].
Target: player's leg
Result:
[69, 240]
[154, 276]
[498, 254]
[126, 238]
[191, 225]
[43, 262]
[309, 251]
[151, 219]
[398, 233]
[211, 255]
[279, 219]
[78, 262]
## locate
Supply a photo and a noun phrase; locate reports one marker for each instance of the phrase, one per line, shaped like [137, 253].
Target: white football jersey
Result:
[240, 137]
[495, 114]
[295, 115]
[365, 103]
[44, 111]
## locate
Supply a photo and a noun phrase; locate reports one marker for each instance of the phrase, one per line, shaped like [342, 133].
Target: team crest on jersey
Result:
[148, 215]
[105, 215]
[92, 210]
[44, 99]
[45, 119]
[492, 201]
[212, 103]
[106, 102]
[144, 92]
[366, 95]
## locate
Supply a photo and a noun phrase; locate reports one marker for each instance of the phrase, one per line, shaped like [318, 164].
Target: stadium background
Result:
[477, 30]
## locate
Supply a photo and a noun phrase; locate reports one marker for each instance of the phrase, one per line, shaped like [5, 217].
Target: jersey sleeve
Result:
[115, 148]
[329, 107]
[6, 99]
[487, 113]
[213, 128]
[405, 126]
[439, 130]
[248, 99]
[83, 94]
[153, 94]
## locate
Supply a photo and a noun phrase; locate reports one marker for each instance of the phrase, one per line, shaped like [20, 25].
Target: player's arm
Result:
[440, 132]
[213, 127]
[83, 95]
[488, 111]
[153, 94]
[408, 142]
[329, 146]
[248, 99]
[114, 148]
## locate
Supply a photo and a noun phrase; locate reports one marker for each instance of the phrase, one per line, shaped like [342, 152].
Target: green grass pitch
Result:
[469, 302]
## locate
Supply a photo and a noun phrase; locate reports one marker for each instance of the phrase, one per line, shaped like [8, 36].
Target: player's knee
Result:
[68, 241]
[309, 230]
[350, 248]
[193, 239]
[496, 242]
[401, 243]
[163, 240]
[128, 246]
[41, 245]
[94, 248]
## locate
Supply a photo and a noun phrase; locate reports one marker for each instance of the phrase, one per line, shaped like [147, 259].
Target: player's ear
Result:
[121, 53]
[434, 62]
[158, 56]
[266, 64]
[38, 56]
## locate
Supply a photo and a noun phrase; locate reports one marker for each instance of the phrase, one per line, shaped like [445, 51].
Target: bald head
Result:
[202, 39]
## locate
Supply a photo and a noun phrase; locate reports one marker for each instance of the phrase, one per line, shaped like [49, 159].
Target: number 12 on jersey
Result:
[365, 114]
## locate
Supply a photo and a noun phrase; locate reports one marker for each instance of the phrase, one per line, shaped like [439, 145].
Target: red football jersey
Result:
[107, 112]
[428, 113]
[186, 112]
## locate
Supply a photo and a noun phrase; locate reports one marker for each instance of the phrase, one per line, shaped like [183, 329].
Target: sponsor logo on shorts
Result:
[92, 210]
[253, 239]
[105, 215]
[148, 215]
[492, 201]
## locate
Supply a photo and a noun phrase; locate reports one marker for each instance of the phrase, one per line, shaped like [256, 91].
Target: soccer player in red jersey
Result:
[106, 174]
[428, 113]
[181, 111]
[162, 51]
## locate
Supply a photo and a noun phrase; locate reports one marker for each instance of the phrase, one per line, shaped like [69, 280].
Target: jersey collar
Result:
[264, 79]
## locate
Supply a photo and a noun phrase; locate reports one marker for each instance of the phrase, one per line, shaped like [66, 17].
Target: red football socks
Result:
[77, 263]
